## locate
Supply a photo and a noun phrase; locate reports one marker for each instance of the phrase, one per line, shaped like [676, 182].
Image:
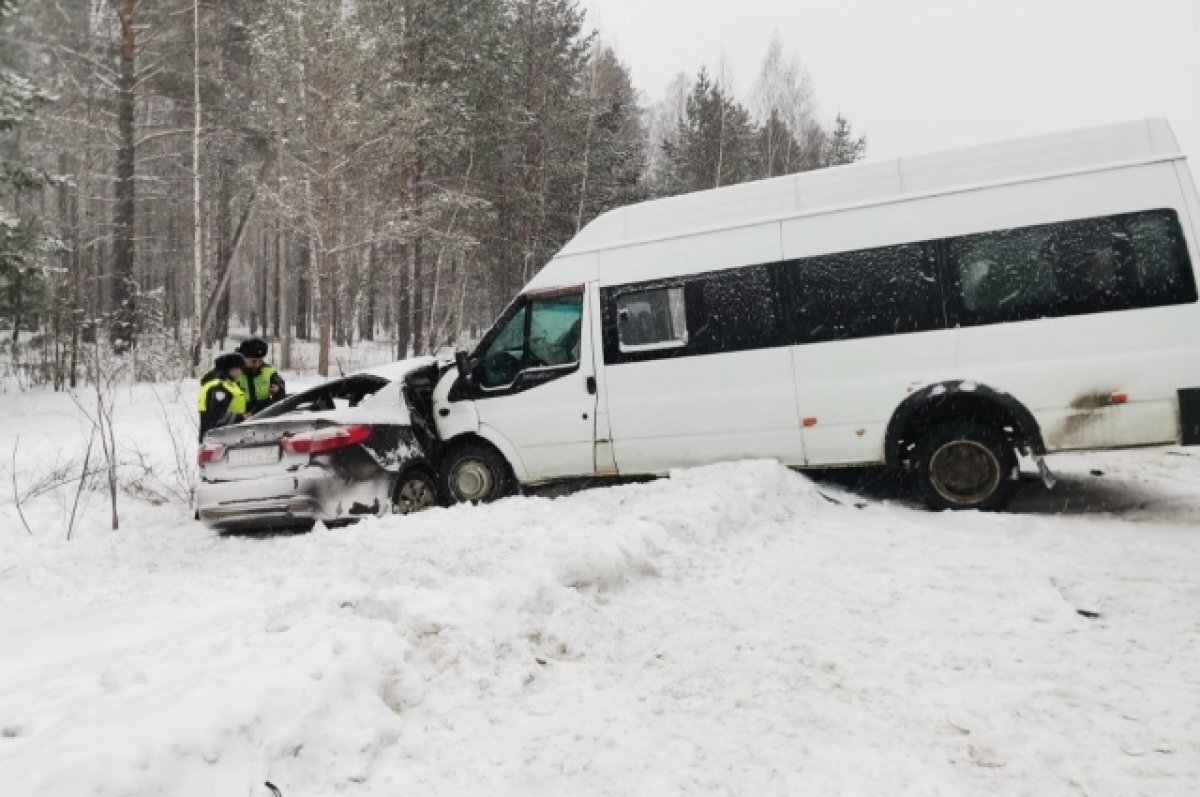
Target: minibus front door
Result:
[537, 385]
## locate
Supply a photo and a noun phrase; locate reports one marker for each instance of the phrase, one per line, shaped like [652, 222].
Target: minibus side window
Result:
[543, 333]
[734, 310]
[501, 362]
[1163, 269]
[865, 293]
[652, 319]
[1070, 268]
[1001, 276]
[554, 331]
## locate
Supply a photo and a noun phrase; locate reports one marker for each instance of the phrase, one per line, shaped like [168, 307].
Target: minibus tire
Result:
[487, 467]
[965, 465]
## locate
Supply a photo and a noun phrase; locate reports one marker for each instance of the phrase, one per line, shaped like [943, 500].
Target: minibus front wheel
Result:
[475, 473]
[965, 465]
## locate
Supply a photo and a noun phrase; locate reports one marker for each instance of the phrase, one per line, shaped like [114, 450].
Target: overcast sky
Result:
[916, 75]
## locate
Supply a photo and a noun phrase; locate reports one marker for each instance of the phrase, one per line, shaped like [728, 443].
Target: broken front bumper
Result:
[288, 501]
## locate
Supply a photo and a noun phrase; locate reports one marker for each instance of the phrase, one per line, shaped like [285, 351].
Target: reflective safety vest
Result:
[261, 389]
[237, 406]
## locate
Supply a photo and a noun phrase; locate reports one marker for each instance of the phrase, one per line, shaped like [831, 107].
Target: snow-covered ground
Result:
[732, 630]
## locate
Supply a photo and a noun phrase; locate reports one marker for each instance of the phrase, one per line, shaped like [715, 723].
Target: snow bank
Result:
[166, 660]
[730, 630]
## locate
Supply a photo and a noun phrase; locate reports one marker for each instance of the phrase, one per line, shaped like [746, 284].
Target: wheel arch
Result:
[954, 399]
[490, 437]
[422, 466]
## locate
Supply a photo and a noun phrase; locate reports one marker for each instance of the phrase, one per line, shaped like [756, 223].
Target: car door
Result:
[536, 385]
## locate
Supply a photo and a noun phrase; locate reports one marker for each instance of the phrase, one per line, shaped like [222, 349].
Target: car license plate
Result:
[259, 455]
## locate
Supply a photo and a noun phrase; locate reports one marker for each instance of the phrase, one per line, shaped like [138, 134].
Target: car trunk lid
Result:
[252, 451]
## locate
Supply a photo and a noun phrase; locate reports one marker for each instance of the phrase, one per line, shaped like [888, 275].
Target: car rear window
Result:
[339, 394]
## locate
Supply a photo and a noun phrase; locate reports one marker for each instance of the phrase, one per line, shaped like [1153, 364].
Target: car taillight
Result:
[324, 440]
[210, 452]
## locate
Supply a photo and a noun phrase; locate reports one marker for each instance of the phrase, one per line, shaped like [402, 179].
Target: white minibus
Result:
[941, 314]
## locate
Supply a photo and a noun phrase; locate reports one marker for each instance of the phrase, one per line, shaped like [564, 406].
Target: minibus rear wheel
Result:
[965, 465]
[475, 473]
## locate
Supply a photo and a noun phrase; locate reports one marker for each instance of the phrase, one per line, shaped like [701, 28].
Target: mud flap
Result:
[1048, 478]
[1189, 417]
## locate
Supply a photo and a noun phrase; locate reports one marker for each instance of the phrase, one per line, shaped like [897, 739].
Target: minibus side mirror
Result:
[464, 369]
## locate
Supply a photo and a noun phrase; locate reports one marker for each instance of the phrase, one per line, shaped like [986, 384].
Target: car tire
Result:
[965, 465]
[475, 473]
[415, 490]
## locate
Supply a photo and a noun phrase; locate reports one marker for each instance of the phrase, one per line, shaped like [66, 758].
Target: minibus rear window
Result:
[1163, 270]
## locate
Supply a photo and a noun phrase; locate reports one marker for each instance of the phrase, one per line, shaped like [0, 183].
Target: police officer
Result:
[261, 383]
[222, 402]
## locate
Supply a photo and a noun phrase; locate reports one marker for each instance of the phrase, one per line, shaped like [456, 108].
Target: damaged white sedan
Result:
[353, 447]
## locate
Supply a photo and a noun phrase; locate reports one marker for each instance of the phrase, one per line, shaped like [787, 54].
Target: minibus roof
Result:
[871, 182]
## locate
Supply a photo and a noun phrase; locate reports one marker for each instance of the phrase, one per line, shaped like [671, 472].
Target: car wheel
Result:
[476, 474]
[965, 466]
[415, 491]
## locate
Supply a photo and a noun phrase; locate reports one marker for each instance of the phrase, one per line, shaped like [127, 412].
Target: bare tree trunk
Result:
[125, 315]
[587, 142]
[64, 315]
[418, 260]
[531, 146]
[303, 312]
[231, 256]
[197, 207]
[263, 268]
[366, 324]
[435, 329]
[403, 300]
[720, 142]
[410, 279]
[224, 235]
[323, 298]
[322, 257]
[282, 255]
[284, 318]
[462, 305]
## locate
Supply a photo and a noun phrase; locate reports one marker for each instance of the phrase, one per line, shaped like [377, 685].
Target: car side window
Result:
[652, 319]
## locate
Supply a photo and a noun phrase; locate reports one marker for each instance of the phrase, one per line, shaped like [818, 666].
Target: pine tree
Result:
[24, 244]
[843, 147]
[715, 143]
[614, 152]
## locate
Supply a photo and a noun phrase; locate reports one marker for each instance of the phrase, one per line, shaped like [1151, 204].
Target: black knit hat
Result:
[227, 362]
[254, 347]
